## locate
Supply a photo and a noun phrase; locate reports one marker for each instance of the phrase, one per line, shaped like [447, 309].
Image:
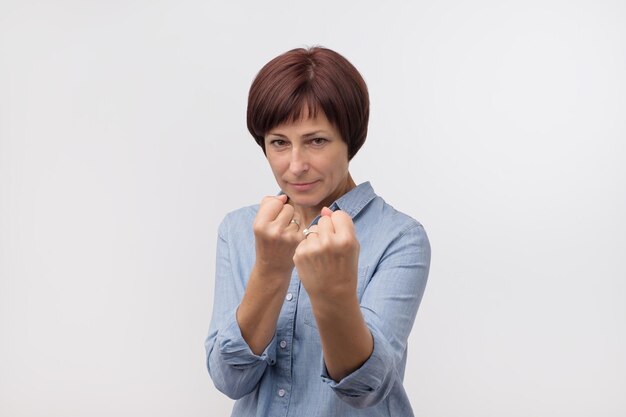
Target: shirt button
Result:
[281, 392]
[289, 297]
[283, 344]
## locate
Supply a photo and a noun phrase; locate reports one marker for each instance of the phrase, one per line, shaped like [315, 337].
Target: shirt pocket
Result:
[304, 303]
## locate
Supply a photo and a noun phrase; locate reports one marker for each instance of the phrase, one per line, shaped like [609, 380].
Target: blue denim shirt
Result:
[289, 378]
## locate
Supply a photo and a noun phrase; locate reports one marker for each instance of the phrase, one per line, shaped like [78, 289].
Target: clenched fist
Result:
[327, 260]
[276, 236]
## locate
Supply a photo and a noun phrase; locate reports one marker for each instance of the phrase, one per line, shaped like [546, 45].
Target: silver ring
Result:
[307, 232]
[297, 223]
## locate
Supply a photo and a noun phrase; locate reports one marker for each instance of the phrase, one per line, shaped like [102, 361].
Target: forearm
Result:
[346, 340]
[260, 307]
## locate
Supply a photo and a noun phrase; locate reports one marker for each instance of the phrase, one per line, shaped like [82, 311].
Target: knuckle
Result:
[303, 250]
[266, 199]
[273, 233]
[257, 228]
[270, 201]
[288, 208]
[345, 243]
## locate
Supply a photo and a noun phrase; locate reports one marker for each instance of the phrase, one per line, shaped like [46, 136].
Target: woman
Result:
[316, 288]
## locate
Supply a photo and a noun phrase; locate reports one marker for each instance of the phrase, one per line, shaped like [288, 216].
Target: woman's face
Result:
[309, 161]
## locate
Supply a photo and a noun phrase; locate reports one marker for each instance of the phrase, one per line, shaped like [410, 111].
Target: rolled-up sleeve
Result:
[389, 305]
[234, 368]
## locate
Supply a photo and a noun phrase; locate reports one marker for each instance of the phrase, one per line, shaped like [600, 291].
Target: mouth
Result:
[303, 186]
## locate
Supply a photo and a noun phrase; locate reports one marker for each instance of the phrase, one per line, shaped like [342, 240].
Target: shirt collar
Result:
[354, 200]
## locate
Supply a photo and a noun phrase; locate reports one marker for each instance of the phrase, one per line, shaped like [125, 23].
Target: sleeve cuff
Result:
[370, 379]
[236, 352]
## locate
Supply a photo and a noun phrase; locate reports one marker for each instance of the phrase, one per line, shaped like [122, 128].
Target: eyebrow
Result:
[306, 135]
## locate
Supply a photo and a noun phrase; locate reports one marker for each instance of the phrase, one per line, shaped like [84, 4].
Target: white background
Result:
[500, 125]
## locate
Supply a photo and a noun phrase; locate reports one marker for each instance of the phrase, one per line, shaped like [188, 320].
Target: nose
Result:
[299, 163]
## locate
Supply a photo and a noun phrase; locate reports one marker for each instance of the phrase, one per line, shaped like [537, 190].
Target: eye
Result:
[278, 143]
[319, 141]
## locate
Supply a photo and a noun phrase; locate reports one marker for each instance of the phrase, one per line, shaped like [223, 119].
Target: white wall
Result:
[498, 124]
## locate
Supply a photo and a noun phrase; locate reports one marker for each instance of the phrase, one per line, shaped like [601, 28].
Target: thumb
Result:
[326, 212]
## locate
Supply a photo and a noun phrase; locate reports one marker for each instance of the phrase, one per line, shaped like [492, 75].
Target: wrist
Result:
[332, 306]
[272, 277]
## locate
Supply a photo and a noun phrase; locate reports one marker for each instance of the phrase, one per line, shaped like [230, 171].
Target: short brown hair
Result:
[314, 79]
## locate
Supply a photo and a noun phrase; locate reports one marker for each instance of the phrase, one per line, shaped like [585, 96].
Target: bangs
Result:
[305, 106]
[279, 108]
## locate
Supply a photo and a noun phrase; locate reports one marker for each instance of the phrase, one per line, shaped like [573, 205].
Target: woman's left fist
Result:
[327, 260]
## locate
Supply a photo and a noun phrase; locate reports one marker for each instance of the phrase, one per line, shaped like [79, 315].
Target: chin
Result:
[305, 201]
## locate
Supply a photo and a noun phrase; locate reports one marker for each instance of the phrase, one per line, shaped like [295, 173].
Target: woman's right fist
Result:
[276, 236]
